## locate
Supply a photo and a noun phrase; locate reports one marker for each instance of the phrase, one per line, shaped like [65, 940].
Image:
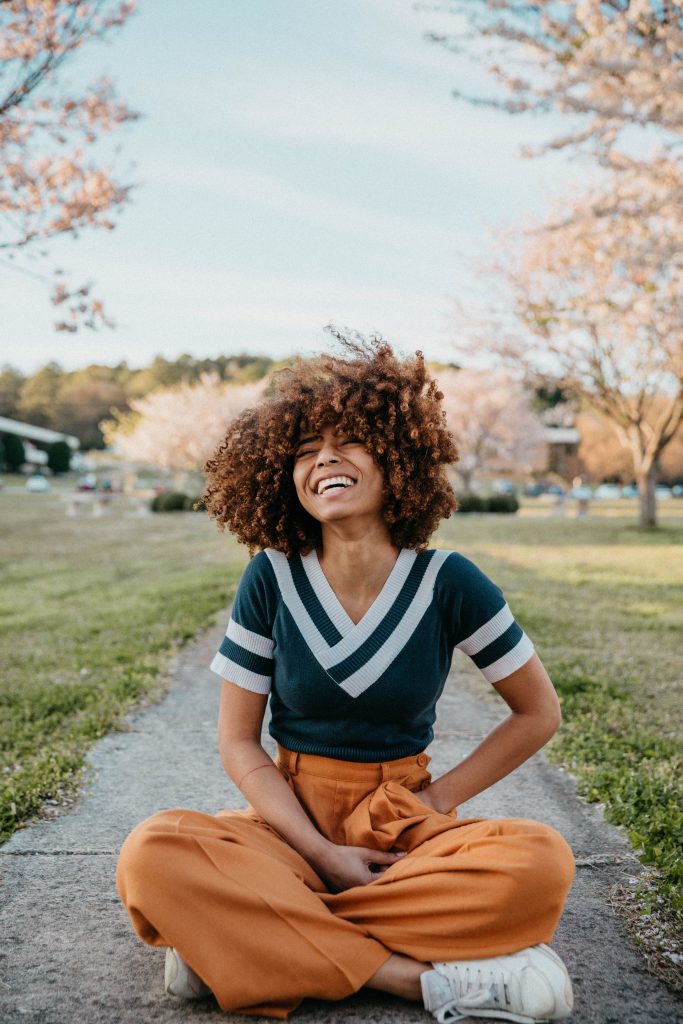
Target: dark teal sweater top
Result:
[365, 691]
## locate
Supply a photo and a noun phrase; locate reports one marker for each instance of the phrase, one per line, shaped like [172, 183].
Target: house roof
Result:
[32, 433]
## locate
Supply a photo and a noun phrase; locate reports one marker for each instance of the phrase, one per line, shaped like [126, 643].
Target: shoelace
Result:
[472, 991]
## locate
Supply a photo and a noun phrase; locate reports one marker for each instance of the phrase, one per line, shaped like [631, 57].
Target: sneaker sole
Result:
[568, 991]
[172, 972]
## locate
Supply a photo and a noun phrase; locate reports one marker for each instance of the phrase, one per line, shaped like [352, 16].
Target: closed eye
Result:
[302, 452]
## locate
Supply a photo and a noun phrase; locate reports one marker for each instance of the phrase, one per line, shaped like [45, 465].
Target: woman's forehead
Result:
[315, 429]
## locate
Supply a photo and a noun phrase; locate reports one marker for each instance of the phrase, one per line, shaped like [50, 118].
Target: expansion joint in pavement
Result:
[595, 860]
[58, 853]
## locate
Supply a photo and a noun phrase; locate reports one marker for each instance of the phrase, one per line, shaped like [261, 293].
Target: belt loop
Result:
[386, 771]
[293, 762]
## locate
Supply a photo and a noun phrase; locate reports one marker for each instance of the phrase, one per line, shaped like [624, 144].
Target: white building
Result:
[35, 455]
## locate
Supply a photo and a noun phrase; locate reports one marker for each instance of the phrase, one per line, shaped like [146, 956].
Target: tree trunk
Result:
[647, 480]
[466, 477]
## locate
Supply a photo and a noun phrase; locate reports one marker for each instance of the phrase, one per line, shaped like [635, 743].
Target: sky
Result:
[298, 162]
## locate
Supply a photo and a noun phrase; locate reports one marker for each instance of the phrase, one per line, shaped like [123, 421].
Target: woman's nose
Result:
[327, 454]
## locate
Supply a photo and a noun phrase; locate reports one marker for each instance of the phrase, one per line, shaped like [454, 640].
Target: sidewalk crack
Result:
[58, 853]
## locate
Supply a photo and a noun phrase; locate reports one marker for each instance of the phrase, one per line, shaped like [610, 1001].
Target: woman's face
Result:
[335, 477]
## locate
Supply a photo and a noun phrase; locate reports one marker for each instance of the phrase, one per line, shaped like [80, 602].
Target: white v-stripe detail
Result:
[325, 594]
[377, 611]
[319, 647]
[327, 656]
[370, 672]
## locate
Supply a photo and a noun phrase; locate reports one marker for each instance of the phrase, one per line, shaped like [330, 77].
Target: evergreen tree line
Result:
[76, 401]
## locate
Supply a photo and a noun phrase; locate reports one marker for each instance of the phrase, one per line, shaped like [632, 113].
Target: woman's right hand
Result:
[342, 867]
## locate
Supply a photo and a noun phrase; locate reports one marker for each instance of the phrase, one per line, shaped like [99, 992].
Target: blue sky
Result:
[299, 161]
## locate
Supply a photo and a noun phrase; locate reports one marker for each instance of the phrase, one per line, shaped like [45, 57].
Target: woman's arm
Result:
[535, 717]
[251, 769]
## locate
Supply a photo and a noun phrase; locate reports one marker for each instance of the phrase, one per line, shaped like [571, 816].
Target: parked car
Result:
[677, 490]
[604, 491]
[663, 493]
[581, 492]
[87, 482]
[37, 484]
[630, 491]
[504, 487]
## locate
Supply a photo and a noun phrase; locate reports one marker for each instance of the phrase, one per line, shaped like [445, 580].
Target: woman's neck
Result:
[358, 565]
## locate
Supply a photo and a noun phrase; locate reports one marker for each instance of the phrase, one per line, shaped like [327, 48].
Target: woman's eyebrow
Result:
[305, 440]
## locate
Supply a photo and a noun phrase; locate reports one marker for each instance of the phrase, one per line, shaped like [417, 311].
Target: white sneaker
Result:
[529, 986]
[180, 980]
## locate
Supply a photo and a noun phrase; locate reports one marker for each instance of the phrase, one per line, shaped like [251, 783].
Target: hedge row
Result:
[176, 501]
[495, 503]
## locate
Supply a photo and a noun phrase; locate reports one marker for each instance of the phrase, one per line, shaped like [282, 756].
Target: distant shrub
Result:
[59, 456]
[502, 503]
[499, 503]
[190, 503]
[471, 503]
[14, 452]
[176, 501]
[169, 501]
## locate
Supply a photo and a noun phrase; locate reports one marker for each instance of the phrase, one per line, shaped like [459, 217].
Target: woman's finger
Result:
[384, 857]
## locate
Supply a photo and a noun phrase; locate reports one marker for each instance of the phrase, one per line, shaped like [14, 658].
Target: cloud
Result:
[268, 312]
[327, 212]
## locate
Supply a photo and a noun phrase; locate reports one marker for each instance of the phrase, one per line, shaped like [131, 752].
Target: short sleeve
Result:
[245, 656]
[482, 624]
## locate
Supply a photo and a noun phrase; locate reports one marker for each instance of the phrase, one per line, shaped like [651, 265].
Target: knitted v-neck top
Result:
[363, 691]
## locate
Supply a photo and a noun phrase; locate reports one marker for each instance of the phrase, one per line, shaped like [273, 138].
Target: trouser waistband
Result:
[348, 771]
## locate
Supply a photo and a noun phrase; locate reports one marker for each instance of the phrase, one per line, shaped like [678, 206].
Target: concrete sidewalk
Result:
[68, 954]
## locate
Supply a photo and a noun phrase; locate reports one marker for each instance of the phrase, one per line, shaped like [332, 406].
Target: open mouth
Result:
[335, 483]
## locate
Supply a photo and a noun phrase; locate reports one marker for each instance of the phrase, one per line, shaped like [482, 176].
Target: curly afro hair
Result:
[389, 404]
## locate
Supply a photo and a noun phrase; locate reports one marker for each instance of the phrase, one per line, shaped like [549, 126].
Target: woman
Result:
[350, 868]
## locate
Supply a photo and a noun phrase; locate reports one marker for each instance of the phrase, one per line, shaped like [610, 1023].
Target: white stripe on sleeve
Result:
[243, 677]
[253, 642]
[487, 633]
[510, 662]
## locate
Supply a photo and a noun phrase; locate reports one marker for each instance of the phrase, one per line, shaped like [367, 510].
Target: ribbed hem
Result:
[361, 754]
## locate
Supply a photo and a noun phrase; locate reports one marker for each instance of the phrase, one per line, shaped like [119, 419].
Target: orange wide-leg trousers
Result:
[255, 921]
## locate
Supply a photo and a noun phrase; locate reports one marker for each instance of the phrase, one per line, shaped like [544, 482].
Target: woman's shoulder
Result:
[451, 561]
[271, 568]
[258, 570]
[458, 573]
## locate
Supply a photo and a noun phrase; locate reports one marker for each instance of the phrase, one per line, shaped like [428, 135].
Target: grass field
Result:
[603, 602]
[91, 609]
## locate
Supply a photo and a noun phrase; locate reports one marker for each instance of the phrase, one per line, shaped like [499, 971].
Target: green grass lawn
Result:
[603, 602]
[91, 609]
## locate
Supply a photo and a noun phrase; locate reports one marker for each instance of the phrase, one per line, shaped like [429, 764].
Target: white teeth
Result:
[335, 481]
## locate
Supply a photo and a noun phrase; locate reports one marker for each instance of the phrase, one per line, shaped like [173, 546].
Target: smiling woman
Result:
[350, 864]
[380, 407]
